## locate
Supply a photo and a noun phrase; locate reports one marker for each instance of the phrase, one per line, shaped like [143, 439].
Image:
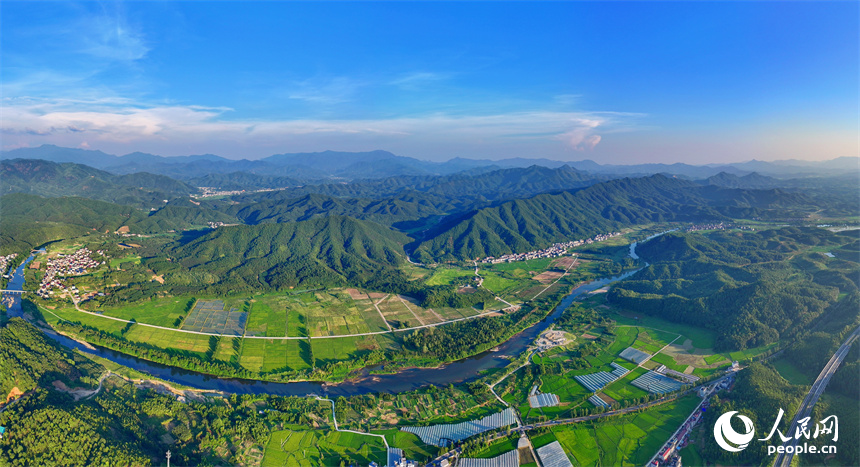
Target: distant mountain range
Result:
[330, 165]
[460, 216]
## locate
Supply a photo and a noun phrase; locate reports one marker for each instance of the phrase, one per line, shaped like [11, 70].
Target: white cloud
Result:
[122, 123]
[582, 136]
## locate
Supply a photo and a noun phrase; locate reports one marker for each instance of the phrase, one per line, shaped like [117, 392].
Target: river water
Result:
[16, 282]
[405, 380]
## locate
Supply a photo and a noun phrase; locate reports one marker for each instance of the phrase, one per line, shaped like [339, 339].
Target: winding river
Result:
[405, 380]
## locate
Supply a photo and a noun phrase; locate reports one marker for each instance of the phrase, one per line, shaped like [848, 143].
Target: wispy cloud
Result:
[325, 91]
[117, 123]
[419, 79]
[81, 56]
[108, 34]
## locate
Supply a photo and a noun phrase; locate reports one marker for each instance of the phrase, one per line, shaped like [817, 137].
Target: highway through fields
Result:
[783, 459]
[698, 407]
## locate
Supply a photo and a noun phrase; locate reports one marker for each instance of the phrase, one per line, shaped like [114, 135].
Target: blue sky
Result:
[615, 82]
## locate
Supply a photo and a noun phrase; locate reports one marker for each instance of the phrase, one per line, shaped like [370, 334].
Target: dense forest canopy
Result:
[752, 288]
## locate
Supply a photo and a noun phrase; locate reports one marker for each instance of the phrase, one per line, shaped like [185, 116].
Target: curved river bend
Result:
[405, 380]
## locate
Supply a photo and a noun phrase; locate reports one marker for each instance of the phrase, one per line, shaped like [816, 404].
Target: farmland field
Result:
[496, 448]
[447, 275]
[158, 312]
[317, 447]
[272, 355]
[625, 440]
[411, 444]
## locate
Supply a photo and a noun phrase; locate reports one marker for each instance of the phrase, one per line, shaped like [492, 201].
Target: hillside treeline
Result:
[751, 288]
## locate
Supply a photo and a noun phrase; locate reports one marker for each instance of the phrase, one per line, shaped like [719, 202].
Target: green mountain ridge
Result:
[526, 224]
[752, 289]
[320, 251]
[45, 178]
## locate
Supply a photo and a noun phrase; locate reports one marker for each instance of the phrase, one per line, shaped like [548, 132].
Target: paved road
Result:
[694, 412]
[285, 338]
[78, 308]
[784, 460]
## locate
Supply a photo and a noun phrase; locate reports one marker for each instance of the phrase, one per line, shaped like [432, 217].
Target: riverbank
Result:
[407, 377]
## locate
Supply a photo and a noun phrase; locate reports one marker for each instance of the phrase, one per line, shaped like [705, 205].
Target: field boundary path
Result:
[336, 428]
[78, 308]
[410, 310]
[376, 305]
[575, 259]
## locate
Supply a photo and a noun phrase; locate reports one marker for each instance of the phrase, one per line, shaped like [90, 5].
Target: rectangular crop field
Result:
[211, 316]
[169, 339]
[396, 313]
[263, 320]
[333, 314]
[296, 324]
[253, 354]
[496, 283]
[275, 355]
[424, 315]
[340, 348]
[159, 312]
[624, 337]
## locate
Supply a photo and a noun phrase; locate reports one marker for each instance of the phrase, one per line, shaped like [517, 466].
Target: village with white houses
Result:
[554, 251]
[211, 191]
[75, 264]
[5, 263]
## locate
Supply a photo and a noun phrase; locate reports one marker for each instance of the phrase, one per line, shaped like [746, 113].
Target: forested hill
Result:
[45, 178]
[526, 224]
[751, 288]
[385, 211]
[323, 251]
[29, 221]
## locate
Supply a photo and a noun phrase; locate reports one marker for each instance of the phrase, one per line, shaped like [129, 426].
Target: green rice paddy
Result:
[316, 447]
[449, 275]
[625, 440]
